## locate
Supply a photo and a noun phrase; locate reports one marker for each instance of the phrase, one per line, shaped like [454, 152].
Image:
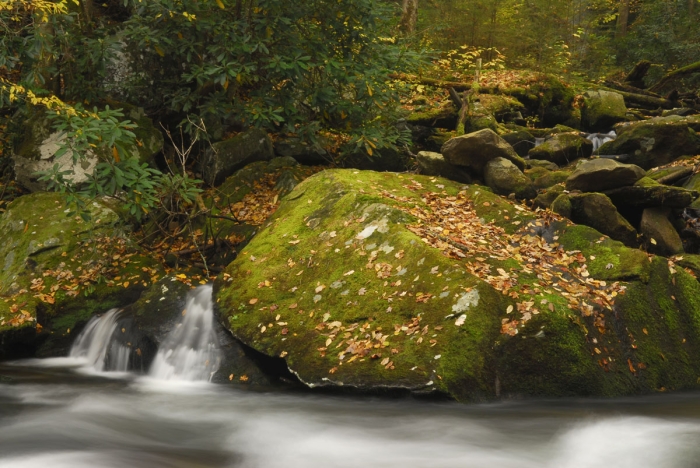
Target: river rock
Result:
[602, 110]
[505, 178]
[659, 234]
[226, 157]
[434, 164]
[563, 148]
[36, 150]
[377, 282]
[653, 142]
[648, 193]
[597, 211]
[545, 199]
[521, 141]
[302, 152]
[598, 175]
[58, 270]
[475, 150]
[160, 309]
[543, 178]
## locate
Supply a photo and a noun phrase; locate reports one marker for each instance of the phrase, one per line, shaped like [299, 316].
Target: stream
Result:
[87, 410]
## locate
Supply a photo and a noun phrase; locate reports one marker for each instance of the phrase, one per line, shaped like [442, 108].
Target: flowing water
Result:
[54, 414]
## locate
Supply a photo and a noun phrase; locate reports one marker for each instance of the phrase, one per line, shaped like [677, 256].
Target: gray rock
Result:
[475, 150]
[562, 205]
[563, 148]
[226, 157]
[597, 211]
[602, 110]
[302, 152]
[549, 165]
[36, 150]
[505, 178]
[659, 234]
[598, 175]
[434, 164]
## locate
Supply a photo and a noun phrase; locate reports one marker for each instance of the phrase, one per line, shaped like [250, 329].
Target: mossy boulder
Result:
[545, 199]
[58, 270]
[603, 174]
[386, 281]
[475, 150]
[505, 178]
[653, 142]
[597, 211]
[549, 98]
[659, 234]
[35, 150]
[226, 157]
[301, 151]
[563, 148]
[543, 178]
[602, 110]
[434, 164]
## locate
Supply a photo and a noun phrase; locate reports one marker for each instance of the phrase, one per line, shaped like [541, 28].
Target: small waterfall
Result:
[190, 352]
[96, 346]
[599, 139]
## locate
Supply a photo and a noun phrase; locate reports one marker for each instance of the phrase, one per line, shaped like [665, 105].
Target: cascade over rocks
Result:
[476, 149]
[379, 281]
[598, 175]
[563, 148]
[51, 266]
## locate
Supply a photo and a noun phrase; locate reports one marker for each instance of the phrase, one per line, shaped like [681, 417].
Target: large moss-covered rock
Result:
[386, 281]
[475, 150]
[35, 150]
[505, 179]
[653, 142]
[602, 110]
[226, 157]
[603, 174]
[59, 270]
[563, 148]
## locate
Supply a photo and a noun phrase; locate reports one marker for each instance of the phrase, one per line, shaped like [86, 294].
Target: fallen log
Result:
[689, 70]
[431, 82]
[629, 89]
[642, 100]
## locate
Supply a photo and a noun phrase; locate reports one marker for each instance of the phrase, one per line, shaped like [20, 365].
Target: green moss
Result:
[608, 259]
[336, 264]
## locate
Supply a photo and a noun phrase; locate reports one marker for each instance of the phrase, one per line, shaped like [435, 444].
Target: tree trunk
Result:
[409, 15]
[623, 16]
[691, 6]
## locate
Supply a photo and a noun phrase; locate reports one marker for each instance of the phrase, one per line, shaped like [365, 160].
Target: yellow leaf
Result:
[221, 4]
[159, 51]
[115, 153]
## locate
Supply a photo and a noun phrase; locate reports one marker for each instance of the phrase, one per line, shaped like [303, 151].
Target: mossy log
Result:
[689, 70]
[645, 101]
